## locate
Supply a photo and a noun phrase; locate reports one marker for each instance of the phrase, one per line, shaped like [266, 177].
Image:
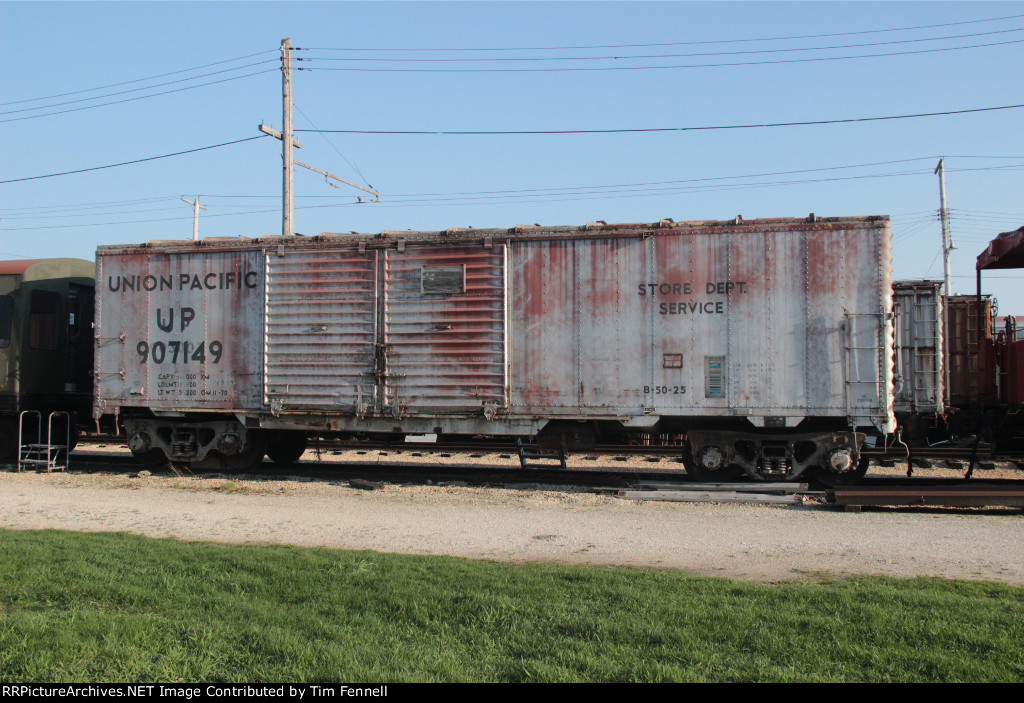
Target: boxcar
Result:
[920, 381]
[767, 342]
[971, 355]
[46, 342]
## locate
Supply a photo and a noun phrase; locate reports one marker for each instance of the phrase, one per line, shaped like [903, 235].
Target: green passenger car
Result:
[46, 341]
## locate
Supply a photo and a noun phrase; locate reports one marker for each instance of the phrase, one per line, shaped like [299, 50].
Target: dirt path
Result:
[752, 542]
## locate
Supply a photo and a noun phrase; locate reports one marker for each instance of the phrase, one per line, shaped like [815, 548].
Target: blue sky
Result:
[58, 57]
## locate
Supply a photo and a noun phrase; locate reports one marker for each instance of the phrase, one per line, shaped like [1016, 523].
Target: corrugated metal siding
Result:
[446, 351]
[321, 330]
[919, 347]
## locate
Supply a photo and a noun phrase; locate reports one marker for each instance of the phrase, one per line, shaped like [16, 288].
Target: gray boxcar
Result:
[768, 342]
[920, 349]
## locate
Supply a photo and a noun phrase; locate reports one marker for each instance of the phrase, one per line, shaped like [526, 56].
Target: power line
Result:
[924, 216]
[609, 194]
[661, 129]
[987, 212]
[42, 211]
[605, 187]
[137, 222]
[135, 161]
[669, 56]
[689, 43]
[135, 90]
[656, 68]
[90, 214]
[139, 97]
[137, 80]
[345, 158]
[676, 182]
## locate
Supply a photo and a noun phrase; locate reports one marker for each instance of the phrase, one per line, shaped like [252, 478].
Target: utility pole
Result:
[947, 246]
[289, 141]
[288, 224]
[947, 243]
[196, 207]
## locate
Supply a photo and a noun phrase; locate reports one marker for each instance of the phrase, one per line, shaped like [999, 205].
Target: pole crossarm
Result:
[288, 141]
[274, 133]
[375, 194]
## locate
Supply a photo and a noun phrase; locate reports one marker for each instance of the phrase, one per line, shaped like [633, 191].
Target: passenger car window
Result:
[43, 318]
[6, 320]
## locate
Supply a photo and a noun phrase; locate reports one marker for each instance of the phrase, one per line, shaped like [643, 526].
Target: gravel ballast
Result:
[751, 542]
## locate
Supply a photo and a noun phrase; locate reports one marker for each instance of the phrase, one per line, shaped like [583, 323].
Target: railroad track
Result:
[666, 484]
[984, 452]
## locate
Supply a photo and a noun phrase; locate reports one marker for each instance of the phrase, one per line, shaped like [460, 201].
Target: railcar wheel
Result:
[705, 468]
[848, 477]
[251, 454]
[286, 447]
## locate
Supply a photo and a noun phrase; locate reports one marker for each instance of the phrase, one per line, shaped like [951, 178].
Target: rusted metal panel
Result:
[1004, 252]
[969, 344]
[579, 325]
[920, 371]
[179, 331]
[321, 330]
[774, 322]
[444, 347]
[610, 336]
[767, 322]
[545, 321]
[964, 495]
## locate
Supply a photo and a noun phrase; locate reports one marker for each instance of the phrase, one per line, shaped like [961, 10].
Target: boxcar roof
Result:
[519, 232]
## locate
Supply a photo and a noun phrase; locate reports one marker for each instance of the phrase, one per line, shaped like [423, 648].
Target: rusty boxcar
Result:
[971, 356]
[767, 342]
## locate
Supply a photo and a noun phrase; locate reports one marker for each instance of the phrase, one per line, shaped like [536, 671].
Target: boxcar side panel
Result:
[611, 344]
[825, 265]
[545, 348]
[689, 326]
[783, 322]
[180, 331]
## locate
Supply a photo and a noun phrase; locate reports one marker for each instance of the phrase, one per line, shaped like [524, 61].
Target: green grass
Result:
[117, 607]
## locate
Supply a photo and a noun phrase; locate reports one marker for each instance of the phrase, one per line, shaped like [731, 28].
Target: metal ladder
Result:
[974, 333]
[39, 454]
[853, 364]
[927, 377]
